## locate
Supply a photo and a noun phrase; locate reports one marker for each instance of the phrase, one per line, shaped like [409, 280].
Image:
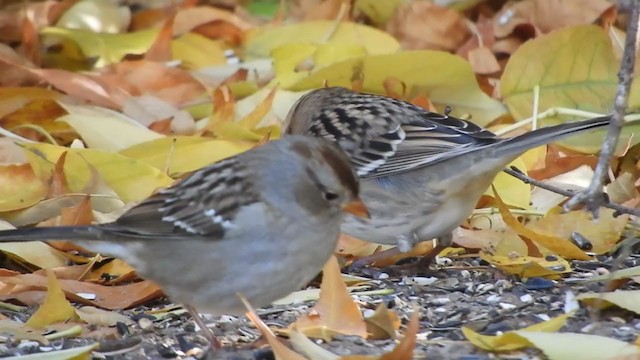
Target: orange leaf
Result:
[335, 312]
[281, 351]
[160, 50]
[404, 350]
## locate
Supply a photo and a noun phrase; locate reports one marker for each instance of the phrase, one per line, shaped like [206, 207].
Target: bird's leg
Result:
[206, 332]
[443, 242]
[368, 260]
[405, 244]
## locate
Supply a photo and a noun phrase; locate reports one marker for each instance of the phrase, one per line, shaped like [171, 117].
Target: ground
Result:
[472, 295]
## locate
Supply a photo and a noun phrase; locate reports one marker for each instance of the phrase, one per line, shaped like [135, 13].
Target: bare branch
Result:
[593, 197]
[619, 209]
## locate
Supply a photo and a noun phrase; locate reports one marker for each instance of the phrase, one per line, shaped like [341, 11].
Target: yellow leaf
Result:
[629, 300]
[182, 154]
[379, 11]
[510, 340]
[197, 51]
[527, 266]
[562, 247]
[252, 119]
[580, 346]
[56, 307]
[512, 191]
[574, 67]
[292, 61]
[131, 179]
[34, 253]
[107, 48]
[97, 16]
[453, 84]
[265, 40]
[105, 129]
[603, 233]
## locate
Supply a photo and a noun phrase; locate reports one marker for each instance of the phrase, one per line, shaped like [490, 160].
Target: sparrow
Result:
[421, 173]
[261, 224]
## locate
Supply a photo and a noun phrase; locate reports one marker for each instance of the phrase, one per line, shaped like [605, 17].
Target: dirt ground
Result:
[464, 294]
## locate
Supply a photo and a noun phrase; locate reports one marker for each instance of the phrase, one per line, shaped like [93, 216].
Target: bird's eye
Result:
[329, 196]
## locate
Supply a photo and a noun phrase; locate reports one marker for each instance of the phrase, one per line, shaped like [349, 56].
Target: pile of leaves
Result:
[104, 102]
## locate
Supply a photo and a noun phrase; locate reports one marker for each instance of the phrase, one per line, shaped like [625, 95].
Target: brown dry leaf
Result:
[483, 61]
[424, 25]
[190, 18]
[335, 312]
[562, 247]
[173, 85]
[160, 50]
[77, 85]
[420, 249]
[383, 324]
[55, 308]
[281, 351]
[30, 290]
[328, 10]
[350, 246]
[547, 15]
[404, 350]
[79, 214]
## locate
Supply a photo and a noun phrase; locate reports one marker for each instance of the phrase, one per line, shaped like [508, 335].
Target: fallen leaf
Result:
[425, 25]
[56, 307]
[511, 340]
[335, 312]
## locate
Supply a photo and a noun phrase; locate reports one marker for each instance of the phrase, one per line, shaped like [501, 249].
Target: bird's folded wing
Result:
[418, 143]
[203, 204]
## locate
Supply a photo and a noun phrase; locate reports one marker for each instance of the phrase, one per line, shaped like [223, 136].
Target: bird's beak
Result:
[357, 208]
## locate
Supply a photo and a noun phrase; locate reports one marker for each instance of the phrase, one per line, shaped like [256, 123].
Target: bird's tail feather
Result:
[548, 134]
[51, 233]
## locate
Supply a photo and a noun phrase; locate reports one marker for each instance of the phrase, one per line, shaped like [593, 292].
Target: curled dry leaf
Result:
[561, 246]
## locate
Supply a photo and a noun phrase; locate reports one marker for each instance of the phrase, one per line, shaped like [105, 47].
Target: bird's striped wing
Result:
[203, 204]
[384, 136]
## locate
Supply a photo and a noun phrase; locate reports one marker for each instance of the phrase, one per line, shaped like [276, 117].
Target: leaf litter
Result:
[140, 96]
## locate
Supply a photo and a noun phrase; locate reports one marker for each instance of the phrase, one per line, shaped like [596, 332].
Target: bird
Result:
[421, 173]
[261, 223]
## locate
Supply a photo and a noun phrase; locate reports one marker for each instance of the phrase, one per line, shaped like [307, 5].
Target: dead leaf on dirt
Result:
[511, 340]
[107, 297]
[281, 351]
[335, 312]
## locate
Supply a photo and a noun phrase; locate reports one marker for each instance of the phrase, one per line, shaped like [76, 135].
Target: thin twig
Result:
[593, 197]
[619, 209]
